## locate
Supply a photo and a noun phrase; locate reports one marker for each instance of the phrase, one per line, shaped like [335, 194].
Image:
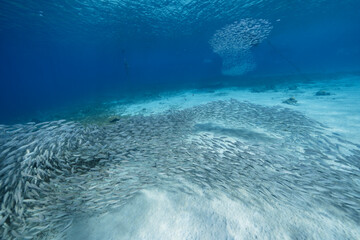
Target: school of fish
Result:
[53, 172]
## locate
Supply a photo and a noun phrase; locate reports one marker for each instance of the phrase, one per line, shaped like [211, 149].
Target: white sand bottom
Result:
[339, 111]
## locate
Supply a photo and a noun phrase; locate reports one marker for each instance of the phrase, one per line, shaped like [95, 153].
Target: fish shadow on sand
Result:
[242, 133]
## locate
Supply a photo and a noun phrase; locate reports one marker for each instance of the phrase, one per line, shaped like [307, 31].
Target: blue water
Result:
[55, 53]
[179, 119]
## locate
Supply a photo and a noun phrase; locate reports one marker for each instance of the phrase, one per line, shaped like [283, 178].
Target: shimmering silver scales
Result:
[234, 41]
[263, 156]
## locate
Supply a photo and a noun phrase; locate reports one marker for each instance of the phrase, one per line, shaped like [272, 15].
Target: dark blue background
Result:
[40, 71]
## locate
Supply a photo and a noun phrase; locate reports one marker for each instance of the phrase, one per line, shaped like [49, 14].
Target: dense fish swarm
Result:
[233, 43]
[268, 158]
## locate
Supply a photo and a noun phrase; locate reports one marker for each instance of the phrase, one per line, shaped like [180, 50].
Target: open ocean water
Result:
[189, 119]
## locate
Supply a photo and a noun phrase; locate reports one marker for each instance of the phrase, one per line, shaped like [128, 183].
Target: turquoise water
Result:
[179, 119]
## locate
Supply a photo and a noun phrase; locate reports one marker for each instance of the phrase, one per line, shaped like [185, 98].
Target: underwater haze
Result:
[188, 119]
[58, 52]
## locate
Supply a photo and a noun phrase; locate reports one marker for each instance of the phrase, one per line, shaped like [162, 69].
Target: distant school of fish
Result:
[54, 172]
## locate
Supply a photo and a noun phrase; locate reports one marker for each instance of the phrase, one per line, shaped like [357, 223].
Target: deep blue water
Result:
[56, 53]
[251, 130]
